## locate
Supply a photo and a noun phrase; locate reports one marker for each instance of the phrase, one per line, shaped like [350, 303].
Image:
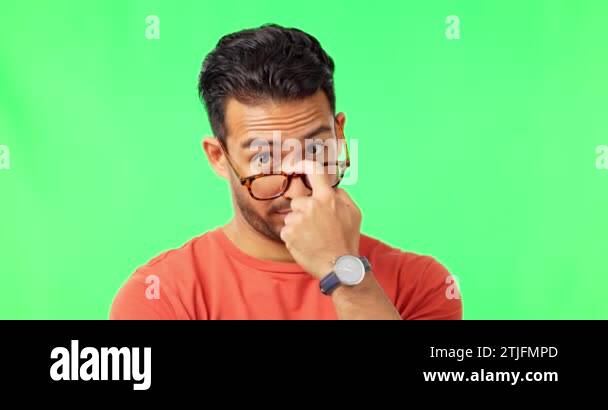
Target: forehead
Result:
[292, 118]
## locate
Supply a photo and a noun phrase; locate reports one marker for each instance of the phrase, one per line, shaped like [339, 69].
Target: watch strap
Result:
[329, 283]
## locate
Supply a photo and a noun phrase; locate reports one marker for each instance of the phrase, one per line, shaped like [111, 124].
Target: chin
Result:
[277, 231]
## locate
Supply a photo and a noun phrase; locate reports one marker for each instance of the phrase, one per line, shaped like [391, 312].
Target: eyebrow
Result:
[321, 128]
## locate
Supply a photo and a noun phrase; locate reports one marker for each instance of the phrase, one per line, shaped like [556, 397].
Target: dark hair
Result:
[265, 63]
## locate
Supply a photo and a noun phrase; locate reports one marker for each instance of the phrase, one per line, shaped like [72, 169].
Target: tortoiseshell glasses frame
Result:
[341, 167]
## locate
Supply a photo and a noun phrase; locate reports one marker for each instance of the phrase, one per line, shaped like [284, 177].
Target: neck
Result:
[253, 243]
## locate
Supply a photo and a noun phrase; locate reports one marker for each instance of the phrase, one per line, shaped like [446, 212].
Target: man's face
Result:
[303, 122]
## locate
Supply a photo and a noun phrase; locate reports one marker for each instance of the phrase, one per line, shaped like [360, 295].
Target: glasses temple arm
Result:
[225, 151]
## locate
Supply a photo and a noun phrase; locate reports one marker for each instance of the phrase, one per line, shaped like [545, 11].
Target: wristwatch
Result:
[349, 271]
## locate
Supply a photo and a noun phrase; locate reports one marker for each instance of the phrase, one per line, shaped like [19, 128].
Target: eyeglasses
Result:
[270, 185]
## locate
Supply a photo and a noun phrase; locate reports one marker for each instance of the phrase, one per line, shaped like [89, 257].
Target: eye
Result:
[262, 158]
[315, 148]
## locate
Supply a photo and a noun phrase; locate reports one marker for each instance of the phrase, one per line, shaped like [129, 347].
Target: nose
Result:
[296, 187]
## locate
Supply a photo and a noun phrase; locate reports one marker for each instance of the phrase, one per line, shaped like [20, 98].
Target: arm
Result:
[132, 302]
[323, 227]
[365, 301]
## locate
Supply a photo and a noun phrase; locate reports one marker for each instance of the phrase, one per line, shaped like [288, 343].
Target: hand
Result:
[322, 227]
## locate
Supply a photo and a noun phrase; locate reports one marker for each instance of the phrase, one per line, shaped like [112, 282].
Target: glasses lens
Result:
[268, 186]
[331, 173]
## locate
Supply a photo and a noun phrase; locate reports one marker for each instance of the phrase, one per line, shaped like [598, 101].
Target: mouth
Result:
[284, 211]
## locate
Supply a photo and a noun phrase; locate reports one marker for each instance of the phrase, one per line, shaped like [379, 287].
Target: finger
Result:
[343, 195]
[292, 218]
[284, 234]
[300, 204]
[318, 181]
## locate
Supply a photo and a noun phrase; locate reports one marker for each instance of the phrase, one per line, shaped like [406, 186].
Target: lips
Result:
[284, 211]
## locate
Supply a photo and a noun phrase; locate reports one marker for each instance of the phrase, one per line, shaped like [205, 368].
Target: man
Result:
[293, 249]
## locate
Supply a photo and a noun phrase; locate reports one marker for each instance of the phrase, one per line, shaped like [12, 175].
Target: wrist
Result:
[350, 293]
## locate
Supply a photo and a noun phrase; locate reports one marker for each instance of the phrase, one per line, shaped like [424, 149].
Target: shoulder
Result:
[419, 285]
[389, 258]
[159, 288]
[182, 256]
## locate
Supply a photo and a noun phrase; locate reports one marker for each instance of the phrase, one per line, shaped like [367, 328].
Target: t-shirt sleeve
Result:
[434, 296]
[137, 301]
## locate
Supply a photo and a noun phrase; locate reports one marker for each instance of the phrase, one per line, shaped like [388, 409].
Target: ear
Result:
[341, 118]
[216, 157]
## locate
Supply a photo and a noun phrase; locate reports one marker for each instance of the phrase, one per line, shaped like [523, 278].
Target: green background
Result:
[479, 151]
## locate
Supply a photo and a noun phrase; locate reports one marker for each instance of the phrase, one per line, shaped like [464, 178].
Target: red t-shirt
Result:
[211, 278]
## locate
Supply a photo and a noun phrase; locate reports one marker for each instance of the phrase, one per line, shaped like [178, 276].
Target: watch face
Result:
[350, 270]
